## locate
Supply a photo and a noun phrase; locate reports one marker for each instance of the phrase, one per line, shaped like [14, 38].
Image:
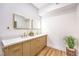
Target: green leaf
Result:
[70, 41]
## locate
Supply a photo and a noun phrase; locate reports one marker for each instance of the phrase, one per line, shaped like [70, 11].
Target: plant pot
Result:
[70, 52]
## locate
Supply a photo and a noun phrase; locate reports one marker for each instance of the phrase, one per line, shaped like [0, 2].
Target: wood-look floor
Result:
[47, 51]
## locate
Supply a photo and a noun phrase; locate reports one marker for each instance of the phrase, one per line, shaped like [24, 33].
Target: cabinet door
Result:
[38, 44]
[34, 47]
[43, 41]
[13, 50]
[26, 48]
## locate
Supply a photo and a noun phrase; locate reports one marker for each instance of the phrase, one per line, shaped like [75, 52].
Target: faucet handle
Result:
[25, 34]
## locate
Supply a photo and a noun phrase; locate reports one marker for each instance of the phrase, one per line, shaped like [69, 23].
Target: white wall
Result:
[77, 27]
[59, 24]
[6, 18]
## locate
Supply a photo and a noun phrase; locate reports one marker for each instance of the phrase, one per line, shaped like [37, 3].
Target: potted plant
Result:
[70, 50]
[31, 33]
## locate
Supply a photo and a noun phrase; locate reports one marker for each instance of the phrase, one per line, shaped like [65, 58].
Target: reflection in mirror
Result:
[36, 24]
[21, 22]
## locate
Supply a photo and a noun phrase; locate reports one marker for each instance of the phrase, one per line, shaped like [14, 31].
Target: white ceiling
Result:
[41, 5]
[44, 8]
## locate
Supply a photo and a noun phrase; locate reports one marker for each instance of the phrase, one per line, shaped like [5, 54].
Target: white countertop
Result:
[8, 42]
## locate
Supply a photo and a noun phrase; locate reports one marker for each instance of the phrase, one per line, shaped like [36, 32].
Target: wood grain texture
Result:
[43, 52]
[26, 48]
[38, 44]
[47, 51]
[13, 50]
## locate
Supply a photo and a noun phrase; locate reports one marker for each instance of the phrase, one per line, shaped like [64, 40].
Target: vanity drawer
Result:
[13, 50]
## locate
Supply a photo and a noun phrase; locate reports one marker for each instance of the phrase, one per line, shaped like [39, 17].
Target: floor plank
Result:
[44, 51]
[47, 51]
[53, 52]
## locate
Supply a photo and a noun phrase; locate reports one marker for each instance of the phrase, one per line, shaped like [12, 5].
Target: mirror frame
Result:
[31, 24]
[15, 24]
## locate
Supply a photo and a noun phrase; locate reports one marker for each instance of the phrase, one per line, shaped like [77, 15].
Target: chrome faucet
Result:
[24, 35]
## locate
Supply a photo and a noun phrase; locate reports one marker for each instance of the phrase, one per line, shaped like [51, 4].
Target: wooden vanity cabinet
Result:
[43, 42]
[26, 48]
[38, 44]
[34, 47]
[13, 50]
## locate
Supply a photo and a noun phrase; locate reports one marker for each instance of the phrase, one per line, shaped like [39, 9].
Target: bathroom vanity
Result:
[26, 46]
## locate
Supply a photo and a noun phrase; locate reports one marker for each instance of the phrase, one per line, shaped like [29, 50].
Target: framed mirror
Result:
[20, 22]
